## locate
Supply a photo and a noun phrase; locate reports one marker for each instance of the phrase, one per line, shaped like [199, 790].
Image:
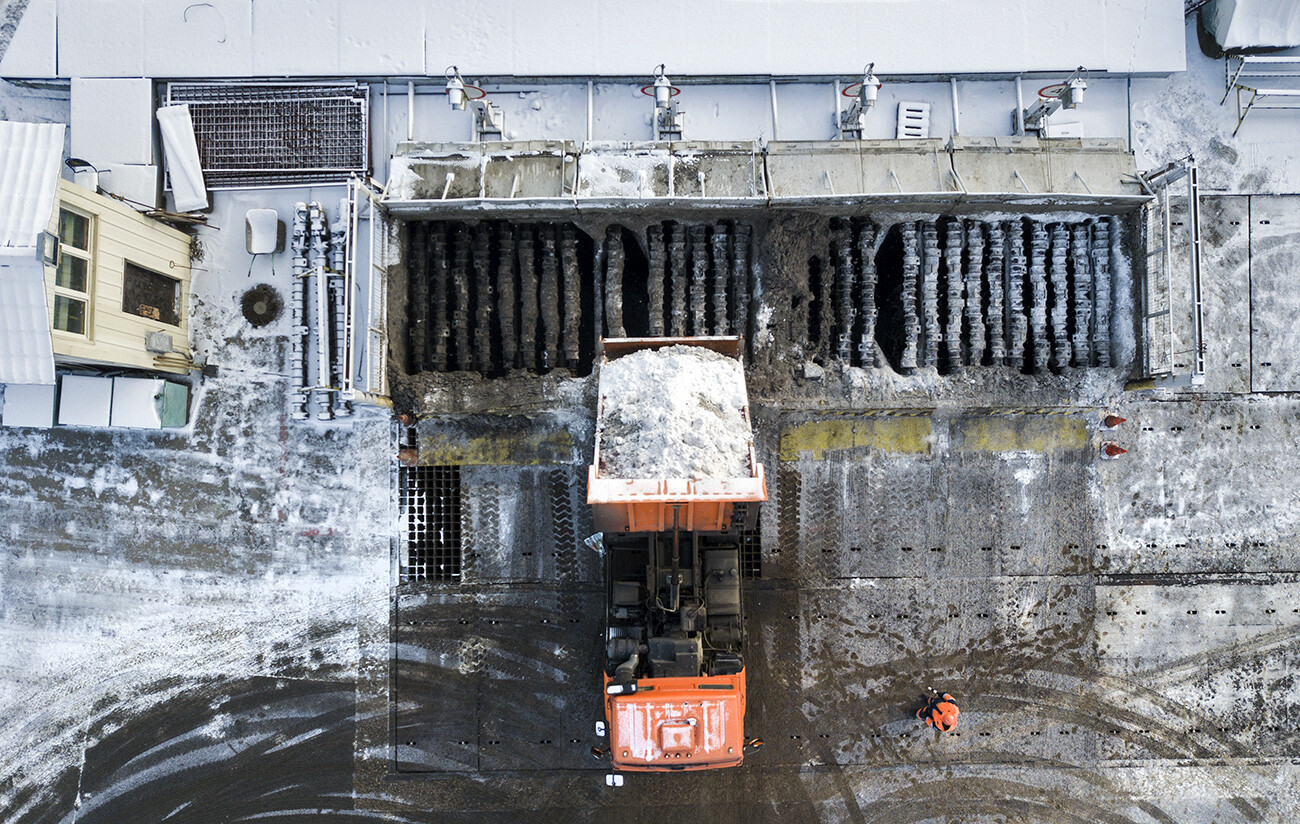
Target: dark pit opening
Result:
[636, 294]
[816, 306]
[889, 297]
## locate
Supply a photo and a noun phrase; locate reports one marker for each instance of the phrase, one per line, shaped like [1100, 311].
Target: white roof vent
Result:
[913, 121]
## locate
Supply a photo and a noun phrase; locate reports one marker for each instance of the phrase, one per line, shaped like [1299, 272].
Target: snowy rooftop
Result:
[762, 37]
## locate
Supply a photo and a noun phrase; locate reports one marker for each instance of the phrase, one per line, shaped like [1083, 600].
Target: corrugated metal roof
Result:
[26, 352]
[30, 154]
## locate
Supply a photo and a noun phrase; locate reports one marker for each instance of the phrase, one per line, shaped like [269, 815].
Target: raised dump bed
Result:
[673, 436]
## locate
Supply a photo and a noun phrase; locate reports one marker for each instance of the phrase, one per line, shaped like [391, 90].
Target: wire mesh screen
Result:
[277, 134]
[429, 499]
[751, 543]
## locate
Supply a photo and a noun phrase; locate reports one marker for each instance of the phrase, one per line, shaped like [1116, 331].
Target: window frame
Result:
[87, 298]
[127, 265]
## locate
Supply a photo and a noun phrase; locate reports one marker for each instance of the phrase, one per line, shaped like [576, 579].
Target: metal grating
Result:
[751, 544]
[277, 134]
[429, 500]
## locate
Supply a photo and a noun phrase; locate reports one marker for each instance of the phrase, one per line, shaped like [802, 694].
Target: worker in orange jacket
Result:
[940, 712]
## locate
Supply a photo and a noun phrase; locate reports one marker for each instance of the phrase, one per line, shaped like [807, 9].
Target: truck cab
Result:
[675, 671]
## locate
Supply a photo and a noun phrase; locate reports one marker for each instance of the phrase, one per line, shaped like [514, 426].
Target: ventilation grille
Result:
[276, 134]
[913, 121]
[429, 500]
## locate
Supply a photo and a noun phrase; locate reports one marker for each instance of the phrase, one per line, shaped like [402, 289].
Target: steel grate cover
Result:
[751, 544]
[429, 501]
[277, 134]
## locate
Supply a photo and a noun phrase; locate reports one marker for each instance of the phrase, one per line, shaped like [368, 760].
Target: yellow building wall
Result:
[122, 234]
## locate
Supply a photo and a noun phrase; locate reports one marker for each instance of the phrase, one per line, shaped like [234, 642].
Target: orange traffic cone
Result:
[1112, 421]
[1111, 450]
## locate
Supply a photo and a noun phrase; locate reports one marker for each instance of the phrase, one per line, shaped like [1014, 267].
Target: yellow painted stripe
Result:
[1005, 433]
[504, 449]
[813, 439]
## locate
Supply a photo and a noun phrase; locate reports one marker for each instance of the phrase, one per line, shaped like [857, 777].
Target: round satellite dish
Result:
[261, 305]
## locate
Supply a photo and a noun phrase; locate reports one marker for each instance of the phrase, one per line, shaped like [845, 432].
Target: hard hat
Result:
[945, 715]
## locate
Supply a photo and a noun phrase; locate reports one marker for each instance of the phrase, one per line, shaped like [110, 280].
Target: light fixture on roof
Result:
[668, 119]
[84, 173]
[865, 93]
[1051, 98]
[489, 121]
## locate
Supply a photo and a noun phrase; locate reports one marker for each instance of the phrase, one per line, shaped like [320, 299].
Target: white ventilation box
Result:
[136, 403]
[913, 121]
[85, 400]
[28, 404]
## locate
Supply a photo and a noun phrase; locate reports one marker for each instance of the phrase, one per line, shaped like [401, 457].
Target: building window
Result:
[75, 273]
[151, 295]
[69, 314]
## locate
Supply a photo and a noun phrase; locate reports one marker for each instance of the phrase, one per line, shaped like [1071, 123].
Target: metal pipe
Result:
[410, 110]
[342, 408]
[319, 253]
[835, 105]
[775, 118]
[1194, 237]
[591, 110]
[1020, 107]
[956, 112]
[298, 303]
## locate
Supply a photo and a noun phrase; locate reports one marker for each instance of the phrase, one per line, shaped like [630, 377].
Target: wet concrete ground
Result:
[209, 625]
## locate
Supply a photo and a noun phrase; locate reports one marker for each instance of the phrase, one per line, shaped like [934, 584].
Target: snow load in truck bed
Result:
[676, 412]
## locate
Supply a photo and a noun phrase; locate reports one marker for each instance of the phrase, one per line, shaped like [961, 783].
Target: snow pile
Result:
[676, 412]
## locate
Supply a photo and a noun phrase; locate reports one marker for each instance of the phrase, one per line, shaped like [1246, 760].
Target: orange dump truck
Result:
[675, 670]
